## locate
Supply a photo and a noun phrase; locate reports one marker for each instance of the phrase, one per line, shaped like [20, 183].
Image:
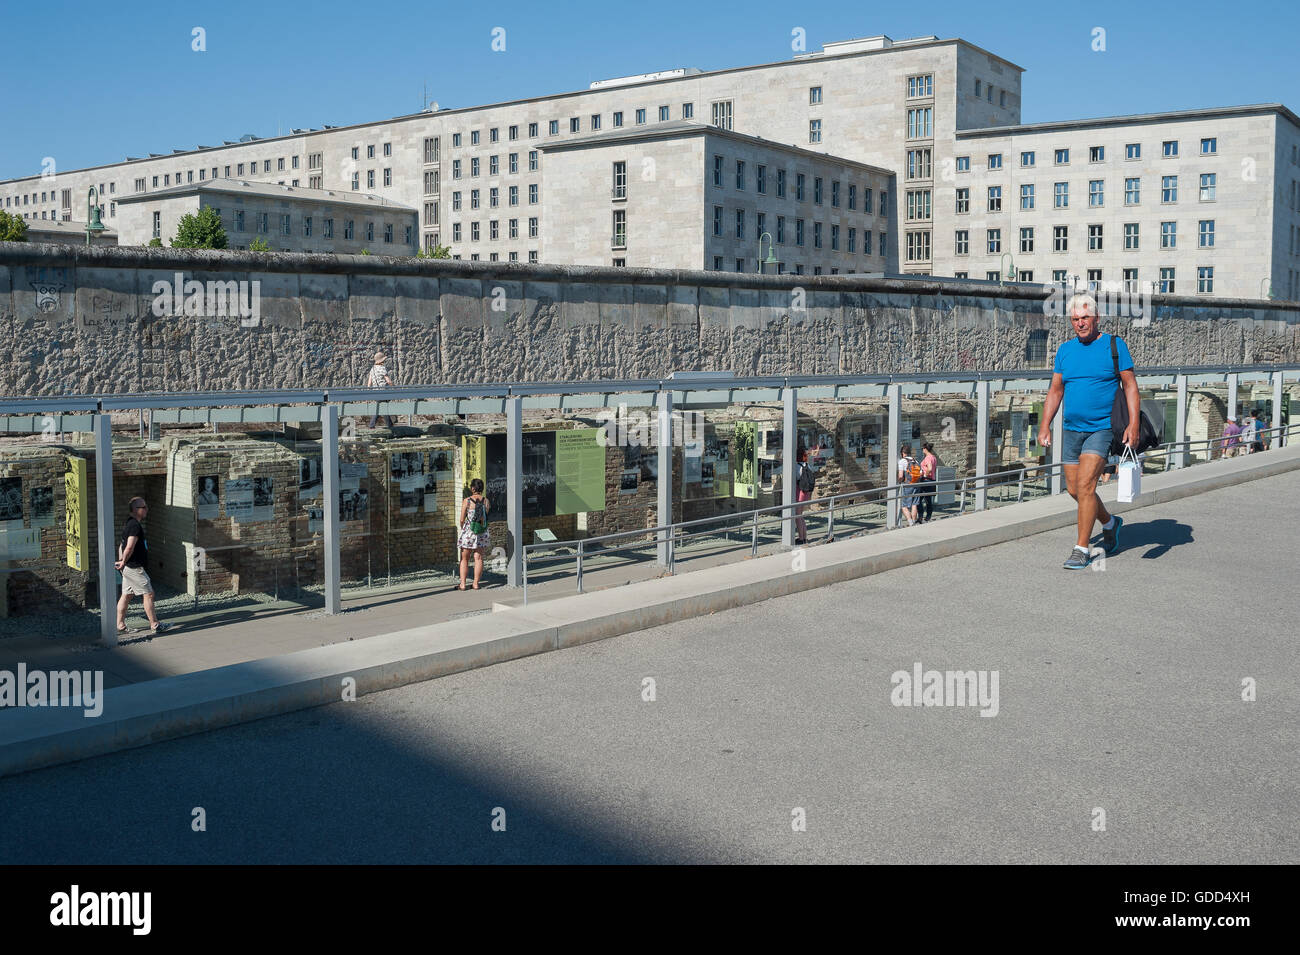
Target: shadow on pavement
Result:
[1164, 534]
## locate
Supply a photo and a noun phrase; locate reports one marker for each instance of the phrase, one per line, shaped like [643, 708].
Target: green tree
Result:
[258, 245]
[201, 230]
[437, 252]
[13, 228]
[154, 243]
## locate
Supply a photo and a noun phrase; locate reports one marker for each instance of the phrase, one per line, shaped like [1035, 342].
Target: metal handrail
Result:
[669, 534]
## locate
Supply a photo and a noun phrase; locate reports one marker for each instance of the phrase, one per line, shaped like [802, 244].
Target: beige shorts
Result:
[136, 581]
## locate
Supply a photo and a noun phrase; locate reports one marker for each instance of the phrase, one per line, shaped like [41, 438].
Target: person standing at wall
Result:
[1231, 437]
[928, 487]
[805, 482]
[132, 558]
[474, 534]
[909, 481]
[379, 379]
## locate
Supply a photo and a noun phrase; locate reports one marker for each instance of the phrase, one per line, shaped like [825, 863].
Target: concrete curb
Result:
[149, 712]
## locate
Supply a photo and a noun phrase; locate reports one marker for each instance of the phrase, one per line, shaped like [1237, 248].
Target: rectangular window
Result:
[455, 169]
[513, 163]
[817, 190]
[918, 163]
[688, 111]
[1060, 238]
[995, 160]
[1061, 195]
[1027, 159]
[284, 224]
[157, 225]
[532, 231]
[740, 223]
[494, 165]
[1094, 279]
[993, 241]
[963, 201]
[817, 235]
[1096, 154]
[1205, 280]
[1058, 275]
[553, 128]
[1132, 191]
[370, 150]
[963, 164]
[473, 166]
[1167, 280]
[512, 133]
[717, 171]
[1133, 151]
[239, 220]
[1169, 235]
[717, 220]
[995, 198]
[835, 193]
[866, 241]
[918, 246]
[473, 198]
[917, 87]
[1062, 157]
[815, 94]
[1171, 148]
[620, 229]
[575, 125]
[1206, 234]
[1208, 180]
[327, 229]
[388, 233]
[620, 180]
[961, 242]
[1130, 280]
[532, 130]
[618, 119]
[740, 174]
[532, 193]
[722, 114]
[1209, 146]
[1131, 237]
[780, 230]
[473, 232]
[388, 177]
[640, 116]
[1095, 238]
[853, 196]
[1027, 197]
[595, 121]
[1168, 188]
[455, 144]
[1027, 239]
[430, 215]
[760, 179]
[1096, 192]
[532, 160]
[663, 114]
[455, 202]
[866, 199]
[918, 204]
[370, 179]
[920, 123]
[798, 232]
[494, 197]
[814, 130]
[798, 186]
[512, 228]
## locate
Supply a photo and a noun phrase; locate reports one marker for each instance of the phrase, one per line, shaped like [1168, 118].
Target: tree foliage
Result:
[13, 228]
[201, 230]
[437, 252]
[258, 245]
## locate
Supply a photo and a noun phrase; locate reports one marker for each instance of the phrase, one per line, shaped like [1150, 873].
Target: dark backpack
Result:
[1148, 433]
[478, 517]
[806, 479]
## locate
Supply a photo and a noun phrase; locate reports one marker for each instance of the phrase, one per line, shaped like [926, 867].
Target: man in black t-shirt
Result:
[133, 556]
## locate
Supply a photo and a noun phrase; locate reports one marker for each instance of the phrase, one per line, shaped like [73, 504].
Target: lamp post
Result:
[771, 257]
[1265, 288]
[93, 225]
[1009, 273]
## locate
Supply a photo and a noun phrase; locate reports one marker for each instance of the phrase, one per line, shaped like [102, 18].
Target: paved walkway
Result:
[1119, 692]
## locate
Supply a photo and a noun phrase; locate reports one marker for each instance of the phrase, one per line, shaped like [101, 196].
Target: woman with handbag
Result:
[474, 533]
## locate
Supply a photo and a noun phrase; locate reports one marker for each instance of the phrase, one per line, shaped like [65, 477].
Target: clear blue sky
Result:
[270, 65]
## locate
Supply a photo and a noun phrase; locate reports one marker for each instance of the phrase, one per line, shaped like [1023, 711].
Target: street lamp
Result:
[93, 225]
[771, 257]
[1010, 271]
[1265, 288]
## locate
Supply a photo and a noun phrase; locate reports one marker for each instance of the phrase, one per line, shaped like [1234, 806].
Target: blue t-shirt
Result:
[1090, 381]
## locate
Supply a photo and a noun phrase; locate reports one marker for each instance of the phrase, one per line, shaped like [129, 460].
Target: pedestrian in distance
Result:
[910, 478]
[474, 534]
[1084, 381]
[132, 561]
[928, 487]
[805, 481]
[378, 378]
[1231, 437]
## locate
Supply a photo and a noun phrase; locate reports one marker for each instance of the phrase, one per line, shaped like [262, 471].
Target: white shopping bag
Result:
[1130, 476]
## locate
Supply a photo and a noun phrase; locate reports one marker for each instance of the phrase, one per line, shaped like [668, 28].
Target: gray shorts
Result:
[135, 580]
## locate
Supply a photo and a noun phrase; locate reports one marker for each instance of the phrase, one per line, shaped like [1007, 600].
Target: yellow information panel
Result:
[473, 450]
[78, 514]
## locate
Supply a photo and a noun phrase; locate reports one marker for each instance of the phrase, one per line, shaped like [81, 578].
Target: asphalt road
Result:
[1118, 690]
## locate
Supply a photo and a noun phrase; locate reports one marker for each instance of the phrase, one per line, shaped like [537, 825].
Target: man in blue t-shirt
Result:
[1084, 376]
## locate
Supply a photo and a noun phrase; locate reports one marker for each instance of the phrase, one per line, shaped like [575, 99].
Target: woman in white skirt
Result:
[474, 533]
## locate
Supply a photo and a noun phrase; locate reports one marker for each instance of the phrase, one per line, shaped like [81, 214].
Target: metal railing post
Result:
[1232, 394]
[664, 402]
[895, 439]
[789, 462]
[525, 577]
[1020, 491]
[1180, 460]
[329, 417]
[1278, 439]
[981, 444]
[580, 543]
[515, 488]
[107, 536]
[753, 549]
[1058, 433]
[830, 521]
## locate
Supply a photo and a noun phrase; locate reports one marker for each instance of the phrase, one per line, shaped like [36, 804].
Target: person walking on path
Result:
[1084, 380]
[379, 379]
[1231, 437]
[909, 480]
[132, 558]
[928, 487]
[474, 534]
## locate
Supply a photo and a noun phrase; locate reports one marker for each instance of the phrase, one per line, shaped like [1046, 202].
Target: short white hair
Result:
[1081, 300]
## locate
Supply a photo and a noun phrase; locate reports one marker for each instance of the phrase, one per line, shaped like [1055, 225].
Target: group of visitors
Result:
[1249, 435]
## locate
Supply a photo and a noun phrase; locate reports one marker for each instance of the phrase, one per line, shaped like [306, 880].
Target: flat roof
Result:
[802, 60]
[677, 129]
[1216, 112]
[269, 190]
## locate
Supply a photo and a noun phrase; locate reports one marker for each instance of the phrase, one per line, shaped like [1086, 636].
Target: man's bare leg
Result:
[1081, 479]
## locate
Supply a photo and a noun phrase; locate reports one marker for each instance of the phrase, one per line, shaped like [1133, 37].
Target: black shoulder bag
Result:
[1148, 434]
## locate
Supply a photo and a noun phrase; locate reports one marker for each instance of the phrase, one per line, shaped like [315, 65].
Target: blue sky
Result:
[271, 66]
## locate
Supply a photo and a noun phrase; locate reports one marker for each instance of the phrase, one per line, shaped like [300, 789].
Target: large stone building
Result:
[931, 110]
[287, 218]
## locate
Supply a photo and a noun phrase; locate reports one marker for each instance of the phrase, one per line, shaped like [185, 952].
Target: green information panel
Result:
[744, 448]
[579, 471]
